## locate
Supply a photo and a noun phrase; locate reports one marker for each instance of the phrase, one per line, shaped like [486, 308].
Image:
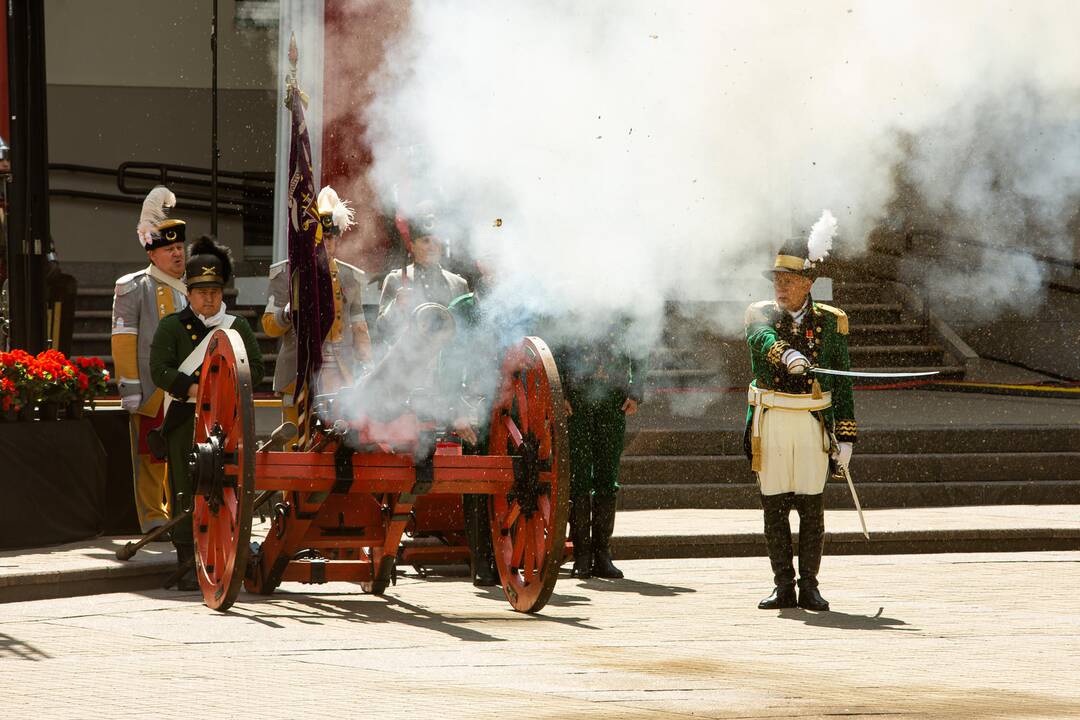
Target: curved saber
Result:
[855, 497]
[859, 373]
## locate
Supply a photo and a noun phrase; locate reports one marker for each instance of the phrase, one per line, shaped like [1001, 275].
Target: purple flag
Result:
[312, 294]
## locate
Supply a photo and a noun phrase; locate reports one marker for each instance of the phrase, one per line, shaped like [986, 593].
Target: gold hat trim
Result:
[790, 262]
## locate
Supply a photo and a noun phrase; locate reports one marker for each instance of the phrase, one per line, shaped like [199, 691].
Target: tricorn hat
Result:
[208, 265]
[804, 256]
[156, 229]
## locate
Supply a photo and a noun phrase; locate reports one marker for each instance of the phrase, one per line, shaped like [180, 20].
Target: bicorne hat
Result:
[156, 229]
[804, 256]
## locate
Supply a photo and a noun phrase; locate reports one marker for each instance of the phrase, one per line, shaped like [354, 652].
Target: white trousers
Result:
[794, 453]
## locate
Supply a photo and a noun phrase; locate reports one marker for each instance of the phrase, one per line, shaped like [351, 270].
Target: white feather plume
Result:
[155, 210]
[329, 202]
[819, 242]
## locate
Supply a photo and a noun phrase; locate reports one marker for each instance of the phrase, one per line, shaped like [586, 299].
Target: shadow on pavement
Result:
[845, 621]
[13, 647]
[638, 587]
[313, 609]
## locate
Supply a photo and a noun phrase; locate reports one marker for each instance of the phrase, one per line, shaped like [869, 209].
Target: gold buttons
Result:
[194, 337]
[197, 372]
[189, 326]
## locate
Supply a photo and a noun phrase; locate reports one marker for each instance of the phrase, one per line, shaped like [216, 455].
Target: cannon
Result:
[345, 504]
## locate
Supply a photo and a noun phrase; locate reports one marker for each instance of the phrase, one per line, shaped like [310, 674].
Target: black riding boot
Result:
[580, 521]
[778, 542]
[478, 535]
[185, 565]
[603, 526]
[811, 543]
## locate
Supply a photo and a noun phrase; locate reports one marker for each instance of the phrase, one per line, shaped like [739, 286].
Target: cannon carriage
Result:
[343, 505]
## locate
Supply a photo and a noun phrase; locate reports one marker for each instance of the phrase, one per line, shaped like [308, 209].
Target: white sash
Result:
[195, 359]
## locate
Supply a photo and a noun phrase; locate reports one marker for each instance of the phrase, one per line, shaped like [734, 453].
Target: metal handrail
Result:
[240, 198]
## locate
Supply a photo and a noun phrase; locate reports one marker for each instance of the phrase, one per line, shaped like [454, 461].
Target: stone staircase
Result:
[889, 332]
[893, 468]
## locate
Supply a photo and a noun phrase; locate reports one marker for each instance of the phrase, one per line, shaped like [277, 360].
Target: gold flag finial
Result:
[291, 80]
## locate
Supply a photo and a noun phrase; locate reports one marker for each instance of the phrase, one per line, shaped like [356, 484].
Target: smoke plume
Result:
[605, 157]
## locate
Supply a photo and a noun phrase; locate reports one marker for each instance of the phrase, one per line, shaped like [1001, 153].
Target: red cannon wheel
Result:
[223, 469]
[528, 525]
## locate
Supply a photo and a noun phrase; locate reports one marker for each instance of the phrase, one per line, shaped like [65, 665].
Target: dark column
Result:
[28, 209]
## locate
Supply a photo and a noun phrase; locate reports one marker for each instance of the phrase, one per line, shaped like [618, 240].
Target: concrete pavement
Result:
[91, 567]
[993, 636]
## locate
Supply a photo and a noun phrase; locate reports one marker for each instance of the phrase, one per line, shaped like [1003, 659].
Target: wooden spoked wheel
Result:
[223, 469]
[528, 524]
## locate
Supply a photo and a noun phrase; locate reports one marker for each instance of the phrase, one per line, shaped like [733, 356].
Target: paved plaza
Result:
[912, 636]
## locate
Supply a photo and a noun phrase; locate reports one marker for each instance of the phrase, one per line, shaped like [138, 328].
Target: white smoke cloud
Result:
[642, 151]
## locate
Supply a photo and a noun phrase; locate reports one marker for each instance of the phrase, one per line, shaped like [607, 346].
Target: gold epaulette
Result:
[841, 317]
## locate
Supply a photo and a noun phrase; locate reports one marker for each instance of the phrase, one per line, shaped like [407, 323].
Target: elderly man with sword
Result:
[800, 423]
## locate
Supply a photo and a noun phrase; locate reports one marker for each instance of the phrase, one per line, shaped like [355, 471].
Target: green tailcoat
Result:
[822, 338]
[176, 337]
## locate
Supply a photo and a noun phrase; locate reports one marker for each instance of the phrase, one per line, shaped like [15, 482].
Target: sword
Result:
[851, 487]
[859, 373]
[855, 497]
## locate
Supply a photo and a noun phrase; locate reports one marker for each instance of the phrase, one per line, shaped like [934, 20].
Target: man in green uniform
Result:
[797, 421]
[175, 362]
[603, 382]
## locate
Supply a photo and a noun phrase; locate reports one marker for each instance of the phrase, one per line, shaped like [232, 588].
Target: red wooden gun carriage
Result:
[346, 503]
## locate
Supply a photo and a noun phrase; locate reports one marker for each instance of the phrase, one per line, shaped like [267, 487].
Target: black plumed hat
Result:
[209, 264]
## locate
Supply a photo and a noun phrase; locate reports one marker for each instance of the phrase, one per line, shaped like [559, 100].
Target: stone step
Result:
[871, 494]
[873, 467]
[100, 343]
[846, 293]
[683, 377]
[1014, 439]
[736, 533]
[101, 298]
[869, 356]
[875, 313]
[887, 334]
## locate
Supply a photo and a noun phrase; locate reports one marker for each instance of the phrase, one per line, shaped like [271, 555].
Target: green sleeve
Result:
[842, 395]
[251, 345]
[165, 355]
[765, 346]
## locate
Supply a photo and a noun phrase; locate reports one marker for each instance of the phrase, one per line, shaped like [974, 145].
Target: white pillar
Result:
[304, 18]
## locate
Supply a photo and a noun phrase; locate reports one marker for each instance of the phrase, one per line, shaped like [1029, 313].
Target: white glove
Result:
[796, 362]
[131, 403]
[842, 453]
